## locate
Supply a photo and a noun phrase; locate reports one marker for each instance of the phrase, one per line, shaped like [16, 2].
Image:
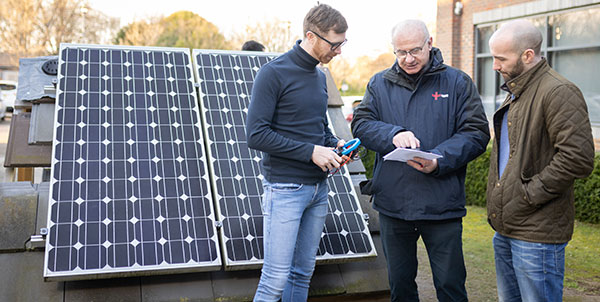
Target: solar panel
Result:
[225, 80]
[129, 192]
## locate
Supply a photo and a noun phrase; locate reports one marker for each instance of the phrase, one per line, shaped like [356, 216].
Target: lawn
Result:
[582, 272]
[479, 255]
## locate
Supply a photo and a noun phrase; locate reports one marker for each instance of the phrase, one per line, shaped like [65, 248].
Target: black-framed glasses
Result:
[334, 46]
[401, 54]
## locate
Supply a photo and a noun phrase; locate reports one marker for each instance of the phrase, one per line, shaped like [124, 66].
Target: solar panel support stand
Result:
[36, 242]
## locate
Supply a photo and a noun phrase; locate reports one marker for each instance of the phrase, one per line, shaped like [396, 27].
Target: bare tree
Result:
[18, 34]
[341, 71]
[74, 21]
[37, 27]
[366, 67]
[357, 74]
[274, 34]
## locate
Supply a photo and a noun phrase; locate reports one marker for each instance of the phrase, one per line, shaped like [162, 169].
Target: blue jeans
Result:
[529, 271]
[294, 217]
[443, 241]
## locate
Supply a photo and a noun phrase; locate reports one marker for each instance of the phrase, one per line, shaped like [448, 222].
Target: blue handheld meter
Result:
[348, 147]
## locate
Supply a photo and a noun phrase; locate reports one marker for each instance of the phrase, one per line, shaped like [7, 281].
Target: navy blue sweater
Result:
[287, 117]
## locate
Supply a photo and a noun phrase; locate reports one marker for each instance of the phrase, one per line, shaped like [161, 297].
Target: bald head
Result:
[412, 28]
[521, 35]
[515, 47]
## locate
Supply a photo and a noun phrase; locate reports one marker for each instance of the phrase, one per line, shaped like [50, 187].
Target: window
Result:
[571, 46]
[487, 85]
[486, 78]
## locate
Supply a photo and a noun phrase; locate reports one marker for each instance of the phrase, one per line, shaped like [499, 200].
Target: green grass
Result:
[582, 272]
[582, 268]
[479, 255]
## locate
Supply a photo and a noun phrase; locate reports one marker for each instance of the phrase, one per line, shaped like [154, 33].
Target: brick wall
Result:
[455, 34]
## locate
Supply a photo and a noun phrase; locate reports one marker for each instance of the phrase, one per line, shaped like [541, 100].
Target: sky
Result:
[369, 22]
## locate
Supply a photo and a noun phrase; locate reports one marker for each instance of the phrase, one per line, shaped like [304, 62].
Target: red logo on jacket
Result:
[436, 95]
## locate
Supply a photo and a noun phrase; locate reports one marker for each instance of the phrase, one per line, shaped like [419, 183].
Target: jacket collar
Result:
[398, 76]
[520, 83]
[302, 58]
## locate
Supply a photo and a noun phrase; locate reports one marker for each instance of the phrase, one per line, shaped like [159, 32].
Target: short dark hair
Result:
[323, 18]
[253, 46]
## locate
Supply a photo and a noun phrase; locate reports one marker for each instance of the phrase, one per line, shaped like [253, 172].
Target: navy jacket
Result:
[444, 111]
[287, 117]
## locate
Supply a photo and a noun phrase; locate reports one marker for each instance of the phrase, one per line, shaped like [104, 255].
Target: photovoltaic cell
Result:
[129, 193]
[225, 80]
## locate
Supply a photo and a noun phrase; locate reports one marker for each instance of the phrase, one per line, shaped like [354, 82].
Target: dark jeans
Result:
[443, 241]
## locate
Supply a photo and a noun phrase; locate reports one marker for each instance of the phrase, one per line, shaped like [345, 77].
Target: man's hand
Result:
[423, 165]
[325, 158]
[406, 139]
[341, 144]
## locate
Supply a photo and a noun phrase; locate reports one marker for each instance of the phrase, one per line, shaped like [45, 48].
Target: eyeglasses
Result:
[401, 54]
[334, 46]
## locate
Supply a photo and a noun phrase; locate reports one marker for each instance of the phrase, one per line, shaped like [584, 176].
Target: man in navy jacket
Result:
[421, 103]
[287, 121]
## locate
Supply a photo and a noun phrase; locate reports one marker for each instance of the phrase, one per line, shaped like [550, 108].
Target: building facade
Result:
[571, 31]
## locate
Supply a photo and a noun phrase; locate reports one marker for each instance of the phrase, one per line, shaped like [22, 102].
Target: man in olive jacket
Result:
[543, 142]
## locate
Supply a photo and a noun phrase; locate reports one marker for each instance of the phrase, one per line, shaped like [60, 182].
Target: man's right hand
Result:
[325, 158]
[406, 139]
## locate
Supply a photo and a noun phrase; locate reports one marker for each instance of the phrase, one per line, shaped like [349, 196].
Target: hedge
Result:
[587, 195]
[476, 180]
[587, 190]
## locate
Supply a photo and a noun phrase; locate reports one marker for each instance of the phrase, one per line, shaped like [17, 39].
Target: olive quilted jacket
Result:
[551, 145]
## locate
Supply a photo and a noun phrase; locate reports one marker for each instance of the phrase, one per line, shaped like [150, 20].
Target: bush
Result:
[587, 195]
[369, 162]
[476, 180]
[587, 190]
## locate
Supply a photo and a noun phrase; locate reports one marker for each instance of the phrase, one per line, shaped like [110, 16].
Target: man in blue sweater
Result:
[287, 121]
[420, 102]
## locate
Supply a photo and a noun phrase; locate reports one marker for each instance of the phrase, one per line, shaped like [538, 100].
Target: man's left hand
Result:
[424, 165]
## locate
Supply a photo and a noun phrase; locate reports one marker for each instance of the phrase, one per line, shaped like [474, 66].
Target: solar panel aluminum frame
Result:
[138, 270]
[253, 264]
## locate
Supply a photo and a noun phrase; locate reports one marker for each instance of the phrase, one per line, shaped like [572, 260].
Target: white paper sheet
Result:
[404, 154]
